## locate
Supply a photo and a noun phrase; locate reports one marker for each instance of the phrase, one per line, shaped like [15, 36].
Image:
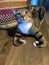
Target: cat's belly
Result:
[24, 27]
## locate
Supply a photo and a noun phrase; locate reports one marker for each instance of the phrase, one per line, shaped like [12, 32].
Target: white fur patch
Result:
[24, 42]
[36, 42]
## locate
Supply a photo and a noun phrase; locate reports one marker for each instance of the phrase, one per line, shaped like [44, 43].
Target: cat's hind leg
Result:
[17, 40]
[41, 41]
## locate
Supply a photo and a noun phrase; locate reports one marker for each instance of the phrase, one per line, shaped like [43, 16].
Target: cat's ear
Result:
[41, 12]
